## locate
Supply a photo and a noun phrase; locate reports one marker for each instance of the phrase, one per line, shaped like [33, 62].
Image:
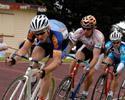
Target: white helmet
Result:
[39, 22]
[115, 35]
[120, 27]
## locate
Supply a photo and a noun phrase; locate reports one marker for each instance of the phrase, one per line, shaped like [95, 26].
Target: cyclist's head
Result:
[39, 23]
[88, 22]
[115, 36]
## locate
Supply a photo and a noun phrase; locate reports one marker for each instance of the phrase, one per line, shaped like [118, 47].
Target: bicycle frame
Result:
[73, 74]
[109, 73]
[73, 93]
[27, 85]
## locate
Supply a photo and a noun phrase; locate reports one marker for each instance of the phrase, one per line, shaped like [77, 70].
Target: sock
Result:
[85, 93]
[110, 93]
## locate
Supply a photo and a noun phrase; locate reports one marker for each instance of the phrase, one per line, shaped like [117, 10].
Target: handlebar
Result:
[28, 58]
[79, 61]
[107, 64]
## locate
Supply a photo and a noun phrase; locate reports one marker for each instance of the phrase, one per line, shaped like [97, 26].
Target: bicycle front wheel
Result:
[14, 89]
[121, 93]
[99, 89]
[63, 90]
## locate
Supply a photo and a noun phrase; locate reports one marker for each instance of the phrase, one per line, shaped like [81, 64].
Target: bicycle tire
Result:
[121, 93]
[11, 87]
[64, 87]
[101, 82]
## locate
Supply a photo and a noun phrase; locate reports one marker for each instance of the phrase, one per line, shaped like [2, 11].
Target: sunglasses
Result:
[116, 42]
[86, 28]
[40, 32]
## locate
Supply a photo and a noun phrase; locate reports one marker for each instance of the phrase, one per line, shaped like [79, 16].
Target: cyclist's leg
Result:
[114, 83]
[45, 86]
[110, 59]
[44, 49]
[38, 53]
[79, 55]
[87, 55]
[89, 78]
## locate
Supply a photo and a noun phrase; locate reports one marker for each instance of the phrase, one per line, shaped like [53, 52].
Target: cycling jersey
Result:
[58, 26]
[116, 54]
[96, 40]
[55, 39]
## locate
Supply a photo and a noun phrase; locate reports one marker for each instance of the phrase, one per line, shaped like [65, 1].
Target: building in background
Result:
[14, 21]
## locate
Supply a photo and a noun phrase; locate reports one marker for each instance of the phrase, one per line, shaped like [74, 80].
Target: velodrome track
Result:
[7, 74]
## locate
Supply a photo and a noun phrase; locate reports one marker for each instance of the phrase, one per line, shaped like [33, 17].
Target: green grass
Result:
[24, 60]
[2, 58]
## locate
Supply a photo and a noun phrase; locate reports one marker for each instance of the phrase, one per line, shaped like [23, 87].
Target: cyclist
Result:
[93, 42]
[56, 26]
[49, 42]
[115, 55]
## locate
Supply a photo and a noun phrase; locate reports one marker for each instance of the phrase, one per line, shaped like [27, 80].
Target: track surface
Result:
[7, 74]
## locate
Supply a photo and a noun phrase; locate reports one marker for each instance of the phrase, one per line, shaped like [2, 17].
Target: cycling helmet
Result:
[88, 21]
[39, 22]
[115, 36]
[121, 26]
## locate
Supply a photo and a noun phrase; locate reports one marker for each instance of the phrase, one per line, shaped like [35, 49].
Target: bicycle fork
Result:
[108, 82]
[73, 73]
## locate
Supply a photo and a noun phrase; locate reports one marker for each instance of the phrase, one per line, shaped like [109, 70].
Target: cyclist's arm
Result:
[69, 47]
[121, 65]
[96, 53]
[73, 38]
[56, 60]
[24, 49]
[27, 44]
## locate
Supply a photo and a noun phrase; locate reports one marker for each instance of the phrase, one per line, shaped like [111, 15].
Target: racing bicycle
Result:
[26, 87]
[103, 84]
[66, 89]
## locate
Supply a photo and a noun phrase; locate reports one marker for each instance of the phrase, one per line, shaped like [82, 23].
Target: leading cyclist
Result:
[93, 43]
[49, 42]
[55, 25]
[115, 55]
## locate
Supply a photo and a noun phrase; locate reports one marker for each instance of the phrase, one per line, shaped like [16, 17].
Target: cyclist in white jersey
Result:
[93, 42]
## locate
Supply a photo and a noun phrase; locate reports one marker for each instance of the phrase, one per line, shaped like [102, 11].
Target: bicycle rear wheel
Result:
[14, 89]
[63, 90]
[99, 89]
[121, 93]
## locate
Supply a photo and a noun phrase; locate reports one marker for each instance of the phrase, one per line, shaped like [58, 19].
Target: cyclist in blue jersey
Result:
[56, 26]
[115, 55]
[49, 42]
